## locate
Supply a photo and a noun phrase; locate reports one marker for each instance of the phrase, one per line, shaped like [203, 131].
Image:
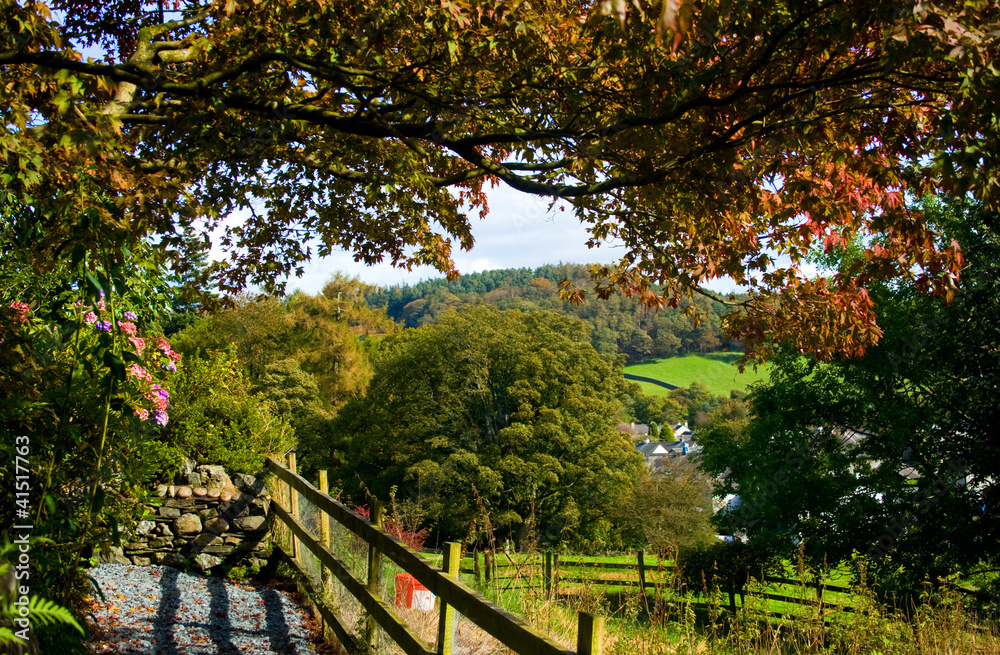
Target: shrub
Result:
[217, 420]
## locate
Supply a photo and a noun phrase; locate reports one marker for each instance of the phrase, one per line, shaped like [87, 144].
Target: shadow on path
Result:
[167, 613]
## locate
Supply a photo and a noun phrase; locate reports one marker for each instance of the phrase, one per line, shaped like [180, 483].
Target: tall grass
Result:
[674, 620]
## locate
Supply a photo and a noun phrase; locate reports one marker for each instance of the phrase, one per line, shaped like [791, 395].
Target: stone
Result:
[214, 493]
[194, 479]
[171, 491]
[159, 543]
[218, 550]
[170, 559]
[169, 512]
[188, 466]
[208, 514]
[259, 507]
[144, 528]
[180, 543]
[225, 496]
[164, 530]
[161, 490]
[183, 492]
[216, 526]
[249, 483]
[233, 540]
[250, 523]
[114, 555]
[141, 561]
[200, 491]
[187, 524]
[137, 545]
[205, 540]
[205, 561]
[232, 510]
[214, 477]
[182, 503]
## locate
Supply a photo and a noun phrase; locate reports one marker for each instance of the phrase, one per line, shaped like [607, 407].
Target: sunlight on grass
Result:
[717, 371]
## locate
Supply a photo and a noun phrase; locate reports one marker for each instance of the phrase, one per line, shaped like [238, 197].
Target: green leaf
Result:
[79, 252]
[95, 286]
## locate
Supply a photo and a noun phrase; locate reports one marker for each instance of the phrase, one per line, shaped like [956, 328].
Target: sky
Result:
[519, 232]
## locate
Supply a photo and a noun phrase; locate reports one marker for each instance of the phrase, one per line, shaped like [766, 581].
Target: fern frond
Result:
[42, 611]
[7, 636]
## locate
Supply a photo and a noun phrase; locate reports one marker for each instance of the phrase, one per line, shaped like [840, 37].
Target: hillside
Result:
[618, 324]
[716, 370]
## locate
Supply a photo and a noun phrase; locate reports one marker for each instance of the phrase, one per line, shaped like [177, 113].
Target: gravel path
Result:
[159, 610]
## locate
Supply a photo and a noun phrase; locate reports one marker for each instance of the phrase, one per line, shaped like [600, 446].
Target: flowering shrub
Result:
[80, 383]
[139, 393]
[218, 420]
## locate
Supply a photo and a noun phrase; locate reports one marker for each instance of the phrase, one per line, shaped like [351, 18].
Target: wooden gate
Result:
[454, 595]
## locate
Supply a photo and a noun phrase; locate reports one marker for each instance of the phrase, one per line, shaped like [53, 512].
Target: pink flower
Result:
[100, 305]
[127, 328]
[138, 343]
[159, 397]
[166, 350]
[130, 316]
[140, 372]
[91, 317]
[141, 413]
[22, 310]
[160, 417]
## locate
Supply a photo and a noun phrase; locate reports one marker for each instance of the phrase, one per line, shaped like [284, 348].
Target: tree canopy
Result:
[893, 456]
[494, 420]
[710, 139]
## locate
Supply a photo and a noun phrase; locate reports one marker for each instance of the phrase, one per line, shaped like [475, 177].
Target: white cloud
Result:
[519, 232]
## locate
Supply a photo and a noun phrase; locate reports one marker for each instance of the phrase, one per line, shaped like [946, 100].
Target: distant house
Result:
[654, 451]
[682, 431]
[634, 429]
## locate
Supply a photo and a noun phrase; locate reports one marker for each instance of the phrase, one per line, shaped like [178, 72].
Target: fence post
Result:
[475, 565]
[448, 622]
[324, 532]
[555, 573]
[488, 563]
[293, 504]
[589, 634]
[547, 575]
[374, 577]
[642, 571]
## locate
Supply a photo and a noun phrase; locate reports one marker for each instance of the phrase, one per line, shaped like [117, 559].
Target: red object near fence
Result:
[411, 594]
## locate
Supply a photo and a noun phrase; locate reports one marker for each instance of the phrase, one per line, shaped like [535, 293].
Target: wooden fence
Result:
[646, 575]
[454, 596]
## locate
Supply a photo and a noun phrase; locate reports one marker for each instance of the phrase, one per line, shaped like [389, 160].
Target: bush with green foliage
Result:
[85, 383]
[217, 420]
[670, 509]
[495, 419]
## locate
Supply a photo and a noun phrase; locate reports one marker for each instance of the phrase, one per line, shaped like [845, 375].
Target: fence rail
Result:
[645, 574]
[455, 596]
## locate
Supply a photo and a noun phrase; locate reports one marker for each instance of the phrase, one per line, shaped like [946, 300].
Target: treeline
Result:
[617, 325]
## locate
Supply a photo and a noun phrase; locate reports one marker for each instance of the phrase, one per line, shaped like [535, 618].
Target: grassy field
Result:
[717, 371]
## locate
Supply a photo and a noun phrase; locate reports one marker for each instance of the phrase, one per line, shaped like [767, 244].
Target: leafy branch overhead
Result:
[709, 139]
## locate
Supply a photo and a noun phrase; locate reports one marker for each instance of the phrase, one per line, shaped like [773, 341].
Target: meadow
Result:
[717, 371]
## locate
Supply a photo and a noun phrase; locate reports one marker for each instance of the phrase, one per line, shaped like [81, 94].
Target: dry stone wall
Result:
[205, 520]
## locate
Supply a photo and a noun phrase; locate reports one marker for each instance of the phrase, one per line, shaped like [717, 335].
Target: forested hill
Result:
[618, 324]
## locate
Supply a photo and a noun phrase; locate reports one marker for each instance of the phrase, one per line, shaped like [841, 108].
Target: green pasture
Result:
[717, 371]
[584, 574]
